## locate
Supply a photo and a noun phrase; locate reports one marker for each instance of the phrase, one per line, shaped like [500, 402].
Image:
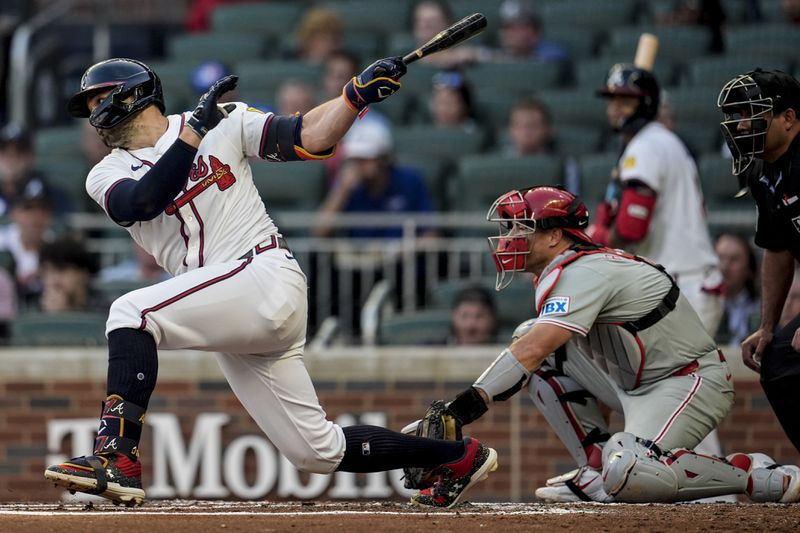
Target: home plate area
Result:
[314, 516]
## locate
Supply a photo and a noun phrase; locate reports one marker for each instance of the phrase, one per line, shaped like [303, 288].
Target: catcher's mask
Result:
[520, 214]
[627, 80]
[134, 86]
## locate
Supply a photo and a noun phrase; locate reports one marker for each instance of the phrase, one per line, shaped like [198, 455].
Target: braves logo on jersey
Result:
[206, 175]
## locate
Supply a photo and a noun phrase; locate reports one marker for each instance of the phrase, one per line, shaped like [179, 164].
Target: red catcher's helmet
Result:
[542, 207]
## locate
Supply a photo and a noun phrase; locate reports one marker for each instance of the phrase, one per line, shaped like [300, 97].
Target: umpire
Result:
[761, 126]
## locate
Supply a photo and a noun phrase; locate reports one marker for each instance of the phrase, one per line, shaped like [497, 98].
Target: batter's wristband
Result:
[351, 96]
[468, 406]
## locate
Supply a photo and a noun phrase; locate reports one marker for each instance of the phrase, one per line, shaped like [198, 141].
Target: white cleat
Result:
[582, 485]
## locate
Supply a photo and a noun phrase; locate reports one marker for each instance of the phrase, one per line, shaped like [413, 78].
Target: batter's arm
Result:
[325, 125]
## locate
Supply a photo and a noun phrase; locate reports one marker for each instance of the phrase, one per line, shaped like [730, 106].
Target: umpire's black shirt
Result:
[776, 190]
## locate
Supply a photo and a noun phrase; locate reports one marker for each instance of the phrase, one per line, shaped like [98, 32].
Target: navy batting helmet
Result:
[627, 80]
[134, 84]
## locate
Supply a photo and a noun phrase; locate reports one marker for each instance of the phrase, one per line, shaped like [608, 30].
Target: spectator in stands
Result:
[737, 263]
[8, 303]
[370, 182]
[339, 68]
[474, 318]
[205, 74]
[708, 13]
[429, 17]
[29, 231]
[141, 267]
[791, 308]
[521, 35]
[67, 269]
[451, 101]
[319, 34]
[198, 17]
[791, 10]
[530, 129]
[294, 97]
[17, 174]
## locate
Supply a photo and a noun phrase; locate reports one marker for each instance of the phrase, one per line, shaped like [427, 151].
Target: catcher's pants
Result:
[698, 287]
[675, 412]
[253, 312]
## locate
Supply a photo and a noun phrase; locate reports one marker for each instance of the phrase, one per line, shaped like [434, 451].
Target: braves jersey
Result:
[219, 215]
[597, 292]
[678, 235]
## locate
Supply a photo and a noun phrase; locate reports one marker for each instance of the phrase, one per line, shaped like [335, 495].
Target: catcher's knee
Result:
[633, 473]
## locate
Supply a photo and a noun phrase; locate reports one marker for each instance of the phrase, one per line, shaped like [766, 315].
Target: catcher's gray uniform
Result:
[669, 379]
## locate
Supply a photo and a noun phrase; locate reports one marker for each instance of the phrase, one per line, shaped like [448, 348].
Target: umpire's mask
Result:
[745, 125]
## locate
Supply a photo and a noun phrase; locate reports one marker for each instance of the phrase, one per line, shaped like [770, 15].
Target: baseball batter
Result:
[614, 327]
[183, 188]
[655, 205]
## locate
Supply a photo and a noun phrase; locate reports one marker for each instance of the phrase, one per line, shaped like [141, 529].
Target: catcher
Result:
[612, 327]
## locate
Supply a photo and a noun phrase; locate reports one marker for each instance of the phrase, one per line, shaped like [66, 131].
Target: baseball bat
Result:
[459, 32]
[646, 52]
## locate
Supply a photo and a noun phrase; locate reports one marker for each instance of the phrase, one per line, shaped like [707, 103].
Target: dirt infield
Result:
[200, 517]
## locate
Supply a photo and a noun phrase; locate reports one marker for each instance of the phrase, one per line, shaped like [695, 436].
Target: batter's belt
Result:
[270, 244]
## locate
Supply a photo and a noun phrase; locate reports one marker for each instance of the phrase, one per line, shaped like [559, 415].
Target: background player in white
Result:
[654, 205]
[613, 327]
[183, 188]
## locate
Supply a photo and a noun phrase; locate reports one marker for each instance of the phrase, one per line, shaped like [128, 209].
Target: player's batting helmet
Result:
[627, 80]
[746, 102]
[134, 84]
[536, 207]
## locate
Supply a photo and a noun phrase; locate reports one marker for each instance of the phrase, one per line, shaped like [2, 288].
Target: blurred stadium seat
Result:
[271, 18]
[420, 327]
[719, 184]
[714, 72]
[591, 74]
[449, 143]
[58, 141]
[368, 15]
[225, 47]
[778, 42]
[482, 178]
[588, 15]
[59, 329]
[577, 140]
[297, 186]
[675, 43]
[595, 171]
[514, 77]
[575, 107]
[267, 76]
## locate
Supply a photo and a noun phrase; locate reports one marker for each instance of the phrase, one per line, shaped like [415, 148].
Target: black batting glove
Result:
[378, 82]
[208, 114]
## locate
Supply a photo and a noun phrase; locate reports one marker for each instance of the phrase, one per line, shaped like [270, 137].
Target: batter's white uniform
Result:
[678, 236]
[252, 310]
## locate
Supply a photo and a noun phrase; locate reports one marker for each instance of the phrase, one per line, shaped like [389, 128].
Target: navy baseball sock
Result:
[132, 365]
[375, 449]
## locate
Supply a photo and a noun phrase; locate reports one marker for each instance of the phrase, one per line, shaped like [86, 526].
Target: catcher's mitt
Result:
[440, 423]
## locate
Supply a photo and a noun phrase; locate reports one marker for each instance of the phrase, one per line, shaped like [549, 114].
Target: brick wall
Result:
[26, 406]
